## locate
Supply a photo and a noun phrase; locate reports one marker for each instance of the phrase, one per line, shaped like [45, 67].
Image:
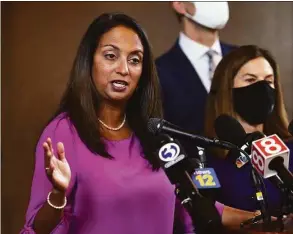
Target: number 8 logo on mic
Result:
[264, 150]
[270, 147]
[257, 161]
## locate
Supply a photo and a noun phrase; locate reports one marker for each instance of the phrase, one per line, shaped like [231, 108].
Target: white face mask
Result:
[212, 15]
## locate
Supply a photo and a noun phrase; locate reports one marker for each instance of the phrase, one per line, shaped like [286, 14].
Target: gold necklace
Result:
[113, 129]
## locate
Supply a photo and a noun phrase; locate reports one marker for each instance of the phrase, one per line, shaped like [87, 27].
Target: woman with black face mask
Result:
[246, 86]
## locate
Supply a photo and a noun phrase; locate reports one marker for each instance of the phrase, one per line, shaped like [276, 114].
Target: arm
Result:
[40, 217]
[59, 174]
[48, 217]
[182, 220]
[231, 217]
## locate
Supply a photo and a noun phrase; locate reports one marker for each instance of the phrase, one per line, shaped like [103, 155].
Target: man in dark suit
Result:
[186, 70]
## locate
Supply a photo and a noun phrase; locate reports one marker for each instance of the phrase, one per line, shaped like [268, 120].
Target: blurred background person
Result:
[186, 70]
[246, 86]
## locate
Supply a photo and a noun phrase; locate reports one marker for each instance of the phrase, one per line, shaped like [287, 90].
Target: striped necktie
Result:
[211, 63]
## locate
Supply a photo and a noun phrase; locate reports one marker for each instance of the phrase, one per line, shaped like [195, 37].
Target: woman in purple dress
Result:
[95, 169]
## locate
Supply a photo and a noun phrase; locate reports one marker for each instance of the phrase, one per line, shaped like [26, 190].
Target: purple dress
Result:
[106, 196]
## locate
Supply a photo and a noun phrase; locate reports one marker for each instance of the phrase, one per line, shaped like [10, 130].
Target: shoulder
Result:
[60, 123]
[289, 144]
[226, 48]
[228, 45]
[59, 129]
[168, 57]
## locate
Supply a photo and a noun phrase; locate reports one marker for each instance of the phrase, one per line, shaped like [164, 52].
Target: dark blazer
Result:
[183, 93]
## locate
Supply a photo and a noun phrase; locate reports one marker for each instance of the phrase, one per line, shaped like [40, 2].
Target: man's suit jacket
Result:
[183, 94]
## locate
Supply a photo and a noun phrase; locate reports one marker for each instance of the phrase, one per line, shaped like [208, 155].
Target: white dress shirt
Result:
[197, 55]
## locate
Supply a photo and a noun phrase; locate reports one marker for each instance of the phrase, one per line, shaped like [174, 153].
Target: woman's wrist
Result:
[57, 191]
[256, 213]
[57, 197]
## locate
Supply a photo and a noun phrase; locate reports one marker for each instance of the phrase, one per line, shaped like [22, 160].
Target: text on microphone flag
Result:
[205, 178]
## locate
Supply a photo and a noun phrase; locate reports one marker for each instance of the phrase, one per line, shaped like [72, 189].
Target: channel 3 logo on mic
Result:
[170, 153]
[266, 149]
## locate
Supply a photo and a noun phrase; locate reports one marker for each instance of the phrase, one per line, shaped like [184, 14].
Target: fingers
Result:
[49, 156]
[47, 152]
[50, 159]
[61, 151]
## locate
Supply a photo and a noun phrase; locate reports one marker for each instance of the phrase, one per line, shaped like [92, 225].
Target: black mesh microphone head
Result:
[250, 137]
[229, 129]
[153, 125]
[290, 127]
[254, 136]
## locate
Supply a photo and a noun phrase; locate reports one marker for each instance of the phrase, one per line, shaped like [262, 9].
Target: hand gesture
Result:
[57, 168]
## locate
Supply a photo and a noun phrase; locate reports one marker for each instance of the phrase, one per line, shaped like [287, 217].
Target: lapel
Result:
[184, 68]
[226, 48]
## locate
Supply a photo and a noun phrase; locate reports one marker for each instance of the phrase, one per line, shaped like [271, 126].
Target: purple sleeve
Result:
[57, 130]
[220, 208]
[185, 218]
[182, 215]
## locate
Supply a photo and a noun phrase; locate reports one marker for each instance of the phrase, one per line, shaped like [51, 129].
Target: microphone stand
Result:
[287, 200]
[262, 200]
[260, 197]
[267, 224]
[286, 196]
[204, 214]
[202, 157]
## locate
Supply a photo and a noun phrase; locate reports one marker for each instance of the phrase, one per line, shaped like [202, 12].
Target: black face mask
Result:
[254, 103]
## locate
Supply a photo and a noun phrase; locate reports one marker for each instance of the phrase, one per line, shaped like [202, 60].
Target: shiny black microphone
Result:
[228, 128]
[158, 126]
[176, 164]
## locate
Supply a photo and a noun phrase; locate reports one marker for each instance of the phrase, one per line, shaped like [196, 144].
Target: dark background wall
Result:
[39, 42]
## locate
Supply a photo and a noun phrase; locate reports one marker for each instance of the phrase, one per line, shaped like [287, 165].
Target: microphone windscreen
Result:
[152, 125]
[229, 129]
[254, 136]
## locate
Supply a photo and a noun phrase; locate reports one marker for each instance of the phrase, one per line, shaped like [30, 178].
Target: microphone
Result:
[242, 159]
[157, 126]
[229, 129]
[224, 122]
[270, 156]
[175, 163]
[276, 149]
[236, 135]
